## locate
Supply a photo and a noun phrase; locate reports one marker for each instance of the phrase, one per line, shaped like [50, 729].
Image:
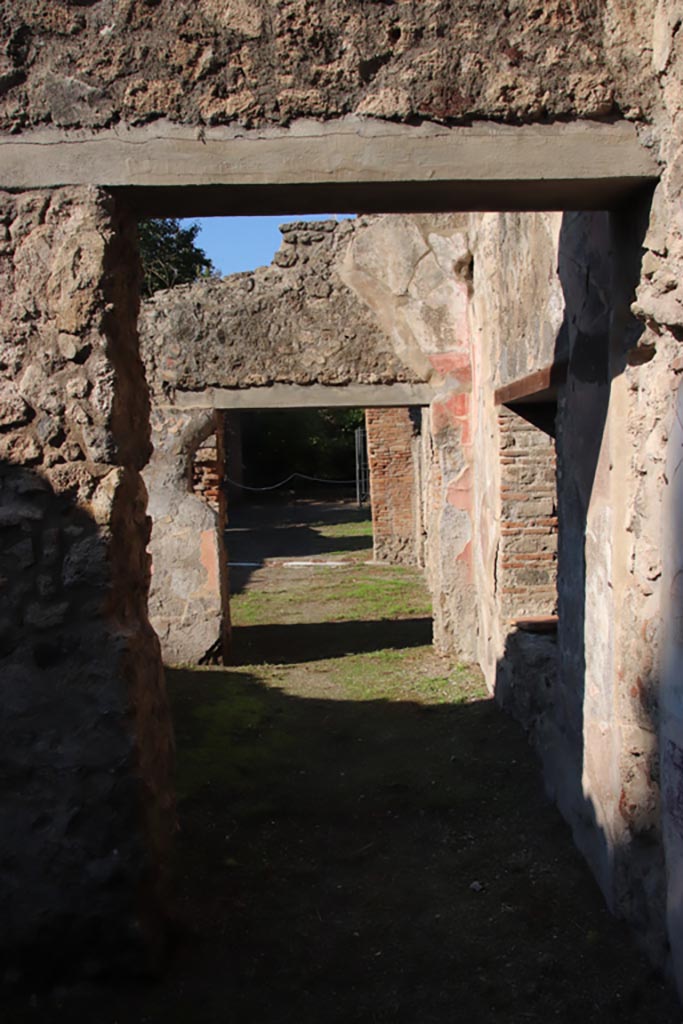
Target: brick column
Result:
[392, 452]
[85, 749]
[207, 472]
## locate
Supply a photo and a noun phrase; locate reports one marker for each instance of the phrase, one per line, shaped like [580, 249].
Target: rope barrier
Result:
[292, 476]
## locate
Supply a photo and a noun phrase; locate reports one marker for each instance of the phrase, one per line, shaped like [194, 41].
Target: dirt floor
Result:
[363, 836]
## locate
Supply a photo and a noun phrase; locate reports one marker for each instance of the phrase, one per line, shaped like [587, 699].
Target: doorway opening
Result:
[600, 358]
[450, 445]
[526, 570]
[304, 552]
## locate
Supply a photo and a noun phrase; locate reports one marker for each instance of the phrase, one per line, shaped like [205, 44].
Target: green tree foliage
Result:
[169, 254]
[317, 442]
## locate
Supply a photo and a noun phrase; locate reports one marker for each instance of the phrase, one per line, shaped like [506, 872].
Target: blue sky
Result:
[243, 243]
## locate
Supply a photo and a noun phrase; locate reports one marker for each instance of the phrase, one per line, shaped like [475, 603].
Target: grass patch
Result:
[375, 596]
[361, 592]
[348, 529]
[406, 675]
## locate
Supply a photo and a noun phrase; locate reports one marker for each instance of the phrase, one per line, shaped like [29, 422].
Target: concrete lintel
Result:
[313, 396]
[357, 164]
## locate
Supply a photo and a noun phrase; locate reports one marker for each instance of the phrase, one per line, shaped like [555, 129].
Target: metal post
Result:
[361, 467]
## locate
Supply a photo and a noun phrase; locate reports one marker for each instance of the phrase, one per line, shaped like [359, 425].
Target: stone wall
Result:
[87, 811]
[295, 321]
[188, 599]
[650, 598]
[527, 678]
[596, 725]
[527, 555]
[206, 62]
[393, 448]
[212, 62]
[612, 415]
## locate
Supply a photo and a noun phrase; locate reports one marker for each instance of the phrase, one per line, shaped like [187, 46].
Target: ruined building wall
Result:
[414, 273]
[517, 316]
[295, 321]
[79, 66]
[212, 62]
[87, 811]
[594, 720]
[606, 720]
[651, 689]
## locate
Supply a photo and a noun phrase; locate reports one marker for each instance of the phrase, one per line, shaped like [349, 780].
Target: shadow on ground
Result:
[369, 861]
[359, 862]
[313, 641]
[288, 530]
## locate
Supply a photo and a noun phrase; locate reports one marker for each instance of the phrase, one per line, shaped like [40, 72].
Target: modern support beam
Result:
[355, 164]
[534, 397]
[539, 386]
[313, 396]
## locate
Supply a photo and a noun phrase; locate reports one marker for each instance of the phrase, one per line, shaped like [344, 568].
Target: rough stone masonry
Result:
[87, 808]
[83, 703]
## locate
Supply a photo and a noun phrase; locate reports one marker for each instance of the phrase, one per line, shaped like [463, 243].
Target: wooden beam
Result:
[539, 386]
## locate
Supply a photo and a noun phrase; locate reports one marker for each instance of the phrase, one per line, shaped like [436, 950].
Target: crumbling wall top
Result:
[293, 322]
[77, 63]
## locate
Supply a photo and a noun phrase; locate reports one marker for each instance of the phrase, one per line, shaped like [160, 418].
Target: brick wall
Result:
[209, 471]
[527, 559]
[392, 453]
[207, 474]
